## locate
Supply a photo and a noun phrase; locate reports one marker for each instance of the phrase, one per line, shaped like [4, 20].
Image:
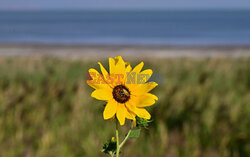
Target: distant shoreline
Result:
[102, 51]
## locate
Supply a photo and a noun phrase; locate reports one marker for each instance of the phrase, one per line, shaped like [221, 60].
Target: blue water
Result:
[126, 27]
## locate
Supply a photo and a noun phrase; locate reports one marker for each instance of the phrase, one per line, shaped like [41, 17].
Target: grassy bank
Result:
[46, 109]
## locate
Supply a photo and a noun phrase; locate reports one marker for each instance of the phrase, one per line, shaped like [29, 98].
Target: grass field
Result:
[46, 109]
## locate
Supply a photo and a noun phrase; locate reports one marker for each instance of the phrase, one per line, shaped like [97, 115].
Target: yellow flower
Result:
[126, 90]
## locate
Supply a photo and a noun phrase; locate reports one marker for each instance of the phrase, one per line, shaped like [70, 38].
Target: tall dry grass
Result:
[46, 109]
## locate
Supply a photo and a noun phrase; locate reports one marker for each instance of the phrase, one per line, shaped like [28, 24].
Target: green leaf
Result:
[134, 133]
[141, 122]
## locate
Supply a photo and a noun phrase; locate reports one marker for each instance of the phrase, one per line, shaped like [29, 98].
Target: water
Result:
[126, 27]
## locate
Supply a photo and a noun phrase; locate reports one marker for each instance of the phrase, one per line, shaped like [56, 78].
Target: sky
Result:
[122, 4]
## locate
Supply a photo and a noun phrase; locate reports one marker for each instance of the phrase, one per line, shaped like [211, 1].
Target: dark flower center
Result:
[121, 93]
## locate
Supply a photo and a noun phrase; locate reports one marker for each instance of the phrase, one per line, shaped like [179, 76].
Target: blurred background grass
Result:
[46, 109]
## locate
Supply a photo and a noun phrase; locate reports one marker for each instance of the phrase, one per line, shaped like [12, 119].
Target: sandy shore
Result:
[100, 51]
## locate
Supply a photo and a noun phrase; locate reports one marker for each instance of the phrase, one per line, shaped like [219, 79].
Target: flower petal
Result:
[130, 104]
[148, 73]
[134, 72]
[138, 68]
[120, 63]
[117, 65]
[104, 71]
[117, 70]
[144, 88]
[96, 81]
[130, 115]
[144, 100]
[110, 109]
[112, 66]
[127, 71]
[132, 108]
[121, 114]
[128, 68]
[143, 113]
[102, 94]
[140, 77]
[106, 75]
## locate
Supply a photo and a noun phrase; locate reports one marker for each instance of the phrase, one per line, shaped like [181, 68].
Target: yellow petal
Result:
[144, 88]
[138, 68]
[130, 115]
[134, 73]
[97, 81]
[143, 113]
[110, 109]
[104, 71]
[134, 122]
[112, 66]
[102, 94]
[121, 114]
[117, 65]
[117, 70]
[119, 60]
[106, 75]
[130, 105]
[148, 74]
[128, 68]
[120, 65]
[146, 99]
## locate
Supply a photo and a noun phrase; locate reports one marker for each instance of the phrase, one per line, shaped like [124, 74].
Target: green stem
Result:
[117, 140]
[119, 146]
[126, 138]
[111, 154]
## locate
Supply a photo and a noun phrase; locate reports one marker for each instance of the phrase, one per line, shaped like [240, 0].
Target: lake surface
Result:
[126, 27]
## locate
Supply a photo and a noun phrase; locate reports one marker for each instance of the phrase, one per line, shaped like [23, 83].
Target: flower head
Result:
[126, 90]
